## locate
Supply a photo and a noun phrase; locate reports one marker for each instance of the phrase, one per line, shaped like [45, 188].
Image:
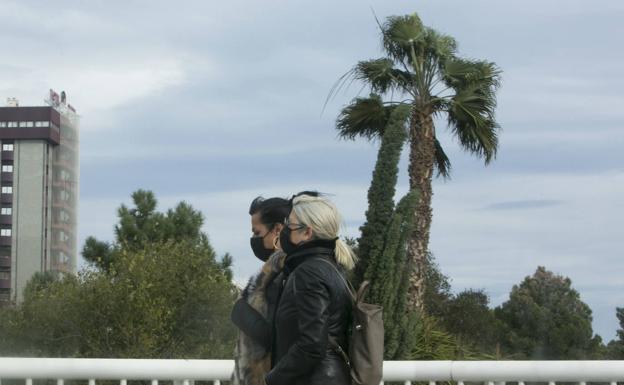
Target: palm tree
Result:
[421, 69]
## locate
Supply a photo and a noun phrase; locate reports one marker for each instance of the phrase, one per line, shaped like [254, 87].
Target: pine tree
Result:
[383, 244]
[381, 194]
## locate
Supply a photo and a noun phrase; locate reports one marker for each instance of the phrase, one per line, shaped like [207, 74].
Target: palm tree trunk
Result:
[422, 154]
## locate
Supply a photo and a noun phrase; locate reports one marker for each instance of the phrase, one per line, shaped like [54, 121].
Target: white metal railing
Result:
[186, 371]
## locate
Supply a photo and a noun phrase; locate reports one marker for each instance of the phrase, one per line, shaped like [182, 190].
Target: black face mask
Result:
[257, 246]
[287, 246]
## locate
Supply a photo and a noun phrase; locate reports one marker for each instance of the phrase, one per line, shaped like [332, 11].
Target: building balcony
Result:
[5, 261]
[186, 372]
[64, 184]
[6, 219]
[6, 198]
[65, 165]
[7, 156]
[66, 227]
[62, 267]
[62, 205]
[70, 144]
[59, 246]
[5, 241]
[7, 177]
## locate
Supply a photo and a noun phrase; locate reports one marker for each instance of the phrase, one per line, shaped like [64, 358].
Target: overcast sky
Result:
[216, 103]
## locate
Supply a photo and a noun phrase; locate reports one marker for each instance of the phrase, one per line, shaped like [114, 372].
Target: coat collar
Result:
[319, 247]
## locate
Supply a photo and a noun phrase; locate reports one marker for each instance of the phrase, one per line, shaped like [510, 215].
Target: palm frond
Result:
[471, 118]
[343, 82]
[400, 33]
[471, 111]
[382, 76]
[365, 117]
[442, 46]
[442, 162]
[459, 73]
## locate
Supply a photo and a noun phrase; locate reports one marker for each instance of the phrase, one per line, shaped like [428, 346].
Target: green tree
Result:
[11, 338]
[169, 300]
[162, 294]
[437, 291]
[142, 225]
[615, 348]
[469, 318]
[545, 318]
[379, 215]
[422, 71]
[382, 248]
[383, 236]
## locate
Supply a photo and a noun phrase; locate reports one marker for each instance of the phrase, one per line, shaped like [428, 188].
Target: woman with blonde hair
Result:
[310, 325]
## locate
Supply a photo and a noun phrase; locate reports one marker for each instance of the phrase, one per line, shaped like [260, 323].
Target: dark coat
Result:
[253, 314]
[314, 306]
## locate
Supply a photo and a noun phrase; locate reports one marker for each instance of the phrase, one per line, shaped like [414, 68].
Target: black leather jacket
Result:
[313, 306]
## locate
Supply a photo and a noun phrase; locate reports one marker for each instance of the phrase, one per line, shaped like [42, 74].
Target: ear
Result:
[308, 233]
[277, 228]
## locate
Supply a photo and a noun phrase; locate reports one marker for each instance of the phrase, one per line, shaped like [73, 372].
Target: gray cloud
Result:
[216, 103]
[525, 204]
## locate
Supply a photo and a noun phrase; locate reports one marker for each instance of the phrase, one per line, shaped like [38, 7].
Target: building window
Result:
[42, 124]
[7, 147]
[22, 124]
[30, 124]
[7, 168]
[11, 124]
[3, 124]
[7, 189]
[64, 216]
[5, 275]
[5, 295]
[6, 211]
[5, 232]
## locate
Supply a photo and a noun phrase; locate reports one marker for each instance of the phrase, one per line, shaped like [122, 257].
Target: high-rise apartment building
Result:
[39, 192]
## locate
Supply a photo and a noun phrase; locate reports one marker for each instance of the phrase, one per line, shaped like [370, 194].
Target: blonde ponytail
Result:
[345, 256]
[323, 218]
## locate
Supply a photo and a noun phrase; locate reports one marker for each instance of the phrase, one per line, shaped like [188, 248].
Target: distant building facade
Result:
[39, 181]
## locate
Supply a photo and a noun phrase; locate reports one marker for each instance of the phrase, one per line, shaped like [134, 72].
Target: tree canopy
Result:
[545, 319]
[159, 292]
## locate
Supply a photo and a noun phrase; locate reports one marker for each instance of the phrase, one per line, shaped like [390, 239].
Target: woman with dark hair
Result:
[254, 310]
